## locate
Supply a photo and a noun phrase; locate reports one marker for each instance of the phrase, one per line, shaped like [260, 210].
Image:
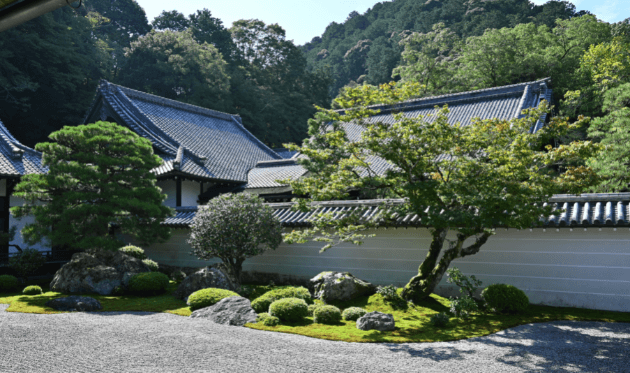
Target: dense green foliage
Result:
[153, 266]
[505, 298]
[8, 283]
[148, 283]
[234, 227]
[289, 309]
[208, 297]
[353, 313]
[267, 320]
[365, 48]
[438, 173]
[135, 251]
[32, 290]
[439, 320]
[326, 315]
[312, 308]
[262, 303]
[27, 262]
[99, 175]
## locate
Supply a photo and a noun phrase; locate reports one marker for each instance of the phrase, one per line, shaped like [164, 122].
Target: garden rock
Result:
[208, 277]
[100, 272]
[376, 321]
[342, 286]
[75, 303]
[228, 311]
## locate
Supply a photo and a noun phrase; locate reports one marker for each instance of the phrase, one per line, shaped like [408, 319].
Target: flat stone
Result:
[340, 286]
[376, 321]
[75, 303]
[236, 311]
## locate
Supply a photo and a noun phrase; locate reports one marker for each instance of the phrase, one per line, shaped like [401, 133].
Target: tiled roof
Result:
[586, 210]
[285, 153]
[265, 174]
[17, 159]
[212, 145]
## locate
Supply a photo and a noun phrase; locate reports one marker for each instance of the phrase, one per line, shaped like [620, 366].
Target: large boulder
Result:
[228, 311]
[340, 286]
[208, 277]
[376, 321]
[100, 272]
[75, 303]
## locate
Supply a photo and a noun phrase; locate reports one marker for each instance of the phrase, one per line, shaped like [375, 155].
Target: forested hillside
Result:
[366, 47]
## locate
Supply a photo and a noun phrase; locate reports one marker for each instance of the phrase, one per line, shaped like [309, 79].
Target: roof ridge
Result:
[255, 139]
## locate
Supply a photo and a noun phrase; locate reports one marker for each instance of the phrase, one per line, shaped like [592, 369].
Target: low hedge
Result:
[289, 309]
[148, 283]
[208, 297]
[262, 303]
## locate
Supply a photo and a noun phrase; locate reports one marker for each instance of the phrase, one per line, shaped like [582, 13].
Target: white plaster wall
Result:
[190, 192]
[586, 269]
[19, 240]
[168, 188]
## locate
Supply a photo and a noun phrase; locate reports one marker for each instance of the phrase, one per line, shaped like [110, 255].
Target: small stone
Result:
[340, 286]
[236, 311]
[74, 303]
[376, 321]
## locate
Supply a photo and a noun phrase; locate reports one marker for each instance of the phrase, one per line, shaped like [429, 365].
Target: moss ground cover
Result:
[412, 322]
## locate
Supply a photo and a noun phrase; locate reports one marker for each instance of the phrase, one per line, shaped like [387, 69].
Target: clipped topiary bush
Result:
[312, 307]
[208, 297]
[439, 320]
[505, 298]
[289, 309]
[153, 266]
[353, 313]
[8, 283]
[134, 251]
[32, 290]
[267, 320]
[148, 283]
[262, 303]
[327, 315]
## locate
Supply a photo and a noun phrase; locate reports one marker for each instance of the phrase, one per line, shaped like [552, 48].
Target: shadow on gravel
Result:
[556, 346]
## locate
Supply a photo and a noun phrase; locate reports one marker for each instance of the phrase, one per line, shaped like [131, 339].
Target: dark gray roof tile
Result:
[17, 159]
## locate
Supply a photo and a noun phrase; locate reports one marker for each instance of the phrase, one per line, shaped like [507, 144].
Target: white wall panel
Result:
[19, 240]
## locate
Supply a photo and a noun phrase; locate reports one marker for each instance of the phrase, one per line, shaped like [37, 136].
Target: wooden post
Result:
[178, 191]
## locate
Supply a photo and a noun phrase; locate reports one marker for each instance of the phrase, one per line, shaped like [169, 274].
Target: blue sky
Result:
[305, 19]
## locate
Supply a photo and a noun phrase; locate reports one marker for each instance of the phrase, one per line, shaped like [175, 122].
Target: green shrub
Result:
[505, 298]
[312, 307]
[463, 306]
[439, 320]
[208, 297]
[27, 262]
[148, 283]
[153, 266]
[391, 296]
[327, 315]
[289, 309]
[134, 251]
[353, 313]
[262, 303]
[32, 290]
[8, 283]
[267, 320]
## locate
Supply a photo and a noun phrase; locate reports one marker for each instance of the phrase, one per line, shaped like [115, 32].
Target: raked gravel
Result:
[158, 342]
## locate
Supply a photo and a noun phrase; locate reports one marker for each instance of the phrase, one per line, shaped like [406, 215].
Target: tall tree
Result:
[208, 29]
[173, 21]
[172, 64]
[99, 175]
[464, 180]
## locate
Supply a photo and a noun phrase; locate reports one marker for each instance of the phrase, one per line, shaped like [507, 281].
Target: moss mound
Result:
[505, 298]
[148, 283]
[32, 290]
[289, 309]
[208, 297]
[262, 303]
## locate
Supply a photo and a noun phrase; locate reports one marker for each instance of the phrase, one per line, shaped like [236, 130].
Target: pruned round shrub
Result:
[134, 251]
[267, 320]
[262, 303]
[208, 297]
[8, 283]
[353, 313]
[32, 290]
[312, 307]
[153, 266]
[289, 309]
[439, 320]
[327, 315]
[148, 283]
[505, 298]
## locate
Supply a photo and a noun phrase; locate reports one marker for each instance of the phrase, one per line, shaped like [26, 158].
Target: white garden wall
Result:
[190, 192]
[19, 240]
[586, 269]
